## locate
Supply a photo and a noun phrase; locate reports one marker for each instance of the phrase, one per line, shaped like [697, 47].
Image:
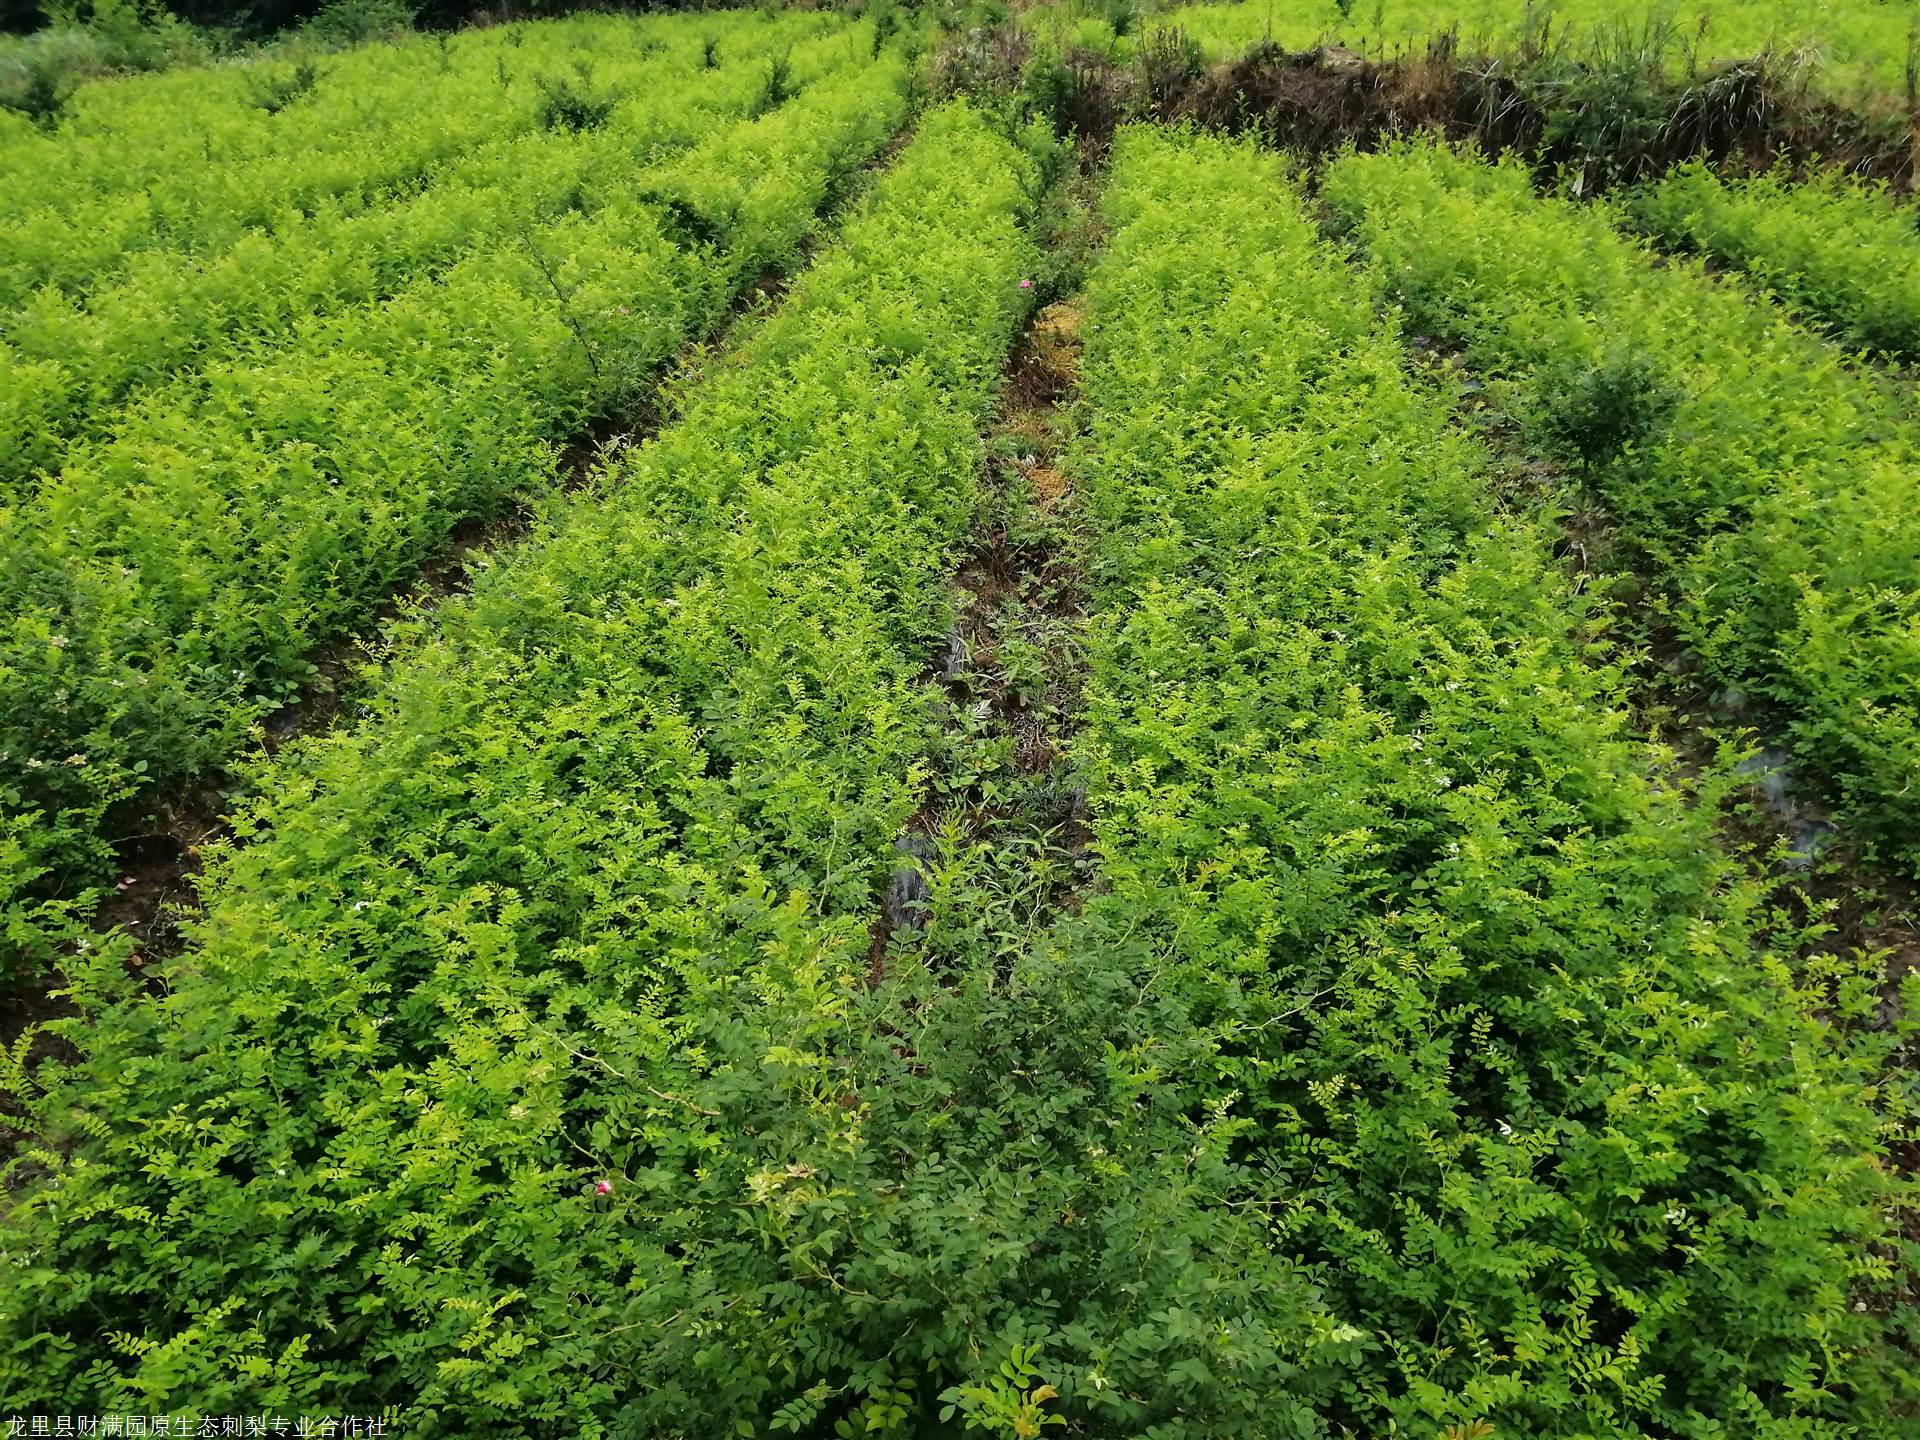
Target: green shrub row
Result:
[347, 148]
[71, 359]
[128, 132]
[1852, 51]
[355, 156]
[474, 1096]
[123, 131]
[1765, 482]
[162, 595]
[1529, 1118]
[1832, 247]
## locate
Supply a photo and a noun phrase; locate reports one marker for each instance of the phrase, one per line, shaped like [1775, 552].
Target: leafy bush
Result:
[1595, 412]
[571, 104]
[274, 91]
[39, 72]
[1169, 61]
[340, 23]
[1075, 94]
[1605, 116]
[36, 88]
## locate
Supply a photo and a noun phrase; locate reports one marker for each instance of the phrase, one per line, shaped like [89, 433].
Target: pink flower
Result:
[603, 1187]
[1026, 284]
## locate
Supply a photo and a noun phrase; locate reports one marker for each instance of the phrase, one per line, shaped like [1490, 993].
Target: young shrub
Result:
[275, 91]
[570, 102]
[1595, 413]
[1076, 94]
[1170, 60]
[37, 89]
[778, 86]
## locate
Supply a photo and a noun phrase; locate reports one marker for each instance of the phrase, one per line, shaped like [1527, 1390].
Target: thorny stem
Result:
[565, 297]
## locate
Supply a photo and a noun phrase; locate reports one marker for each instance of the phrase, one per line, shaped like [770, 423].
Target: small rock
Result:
[1810, 841]
[905, 905]
[1768, 767]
